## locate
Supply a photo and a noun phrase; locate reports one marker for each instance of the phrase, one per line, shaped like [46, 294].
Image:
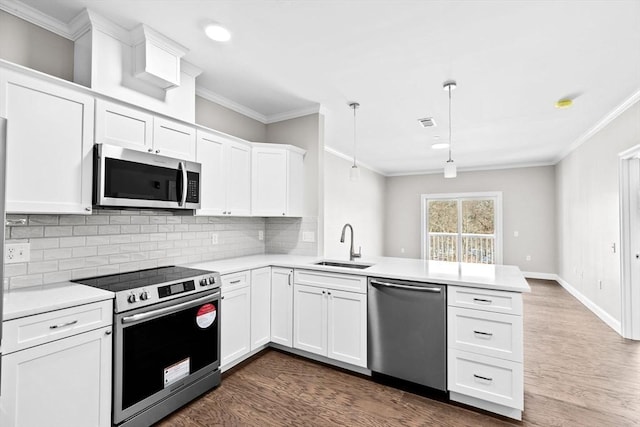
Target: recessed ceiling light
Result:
[217, 33]
[564, 103]
[440, 145]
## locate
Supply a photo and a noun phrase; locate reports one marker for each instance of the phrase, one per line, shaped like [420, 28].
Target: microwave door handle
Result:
[183, 167]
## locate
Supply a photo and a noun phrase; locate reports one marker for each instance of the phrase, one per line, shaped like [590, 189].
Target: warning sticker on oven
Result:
[206, 315]
[176, 372]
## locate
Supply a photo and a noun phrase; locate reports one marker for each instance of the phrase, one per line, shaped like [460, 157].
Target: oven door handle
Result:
[167, 310]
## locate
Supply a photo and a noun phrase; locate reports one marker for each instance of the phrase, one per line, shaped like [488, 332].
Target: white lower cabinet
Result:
[485, 349]
[330, 322]
[235, 315]
[260, 307]
[282, 306]
[65, 381]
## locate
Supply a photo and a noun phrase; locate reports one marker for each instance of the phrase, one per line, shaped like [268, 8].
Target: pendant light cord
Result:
[449, 89]
[354, 134]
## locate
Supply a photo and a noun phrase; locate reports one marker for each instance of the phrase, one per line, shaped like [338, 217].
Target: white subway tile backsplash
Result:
[112, 241]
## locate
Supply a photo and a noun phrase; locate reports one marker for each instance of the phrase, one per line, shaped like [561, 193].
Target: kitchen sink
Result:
[344, 264]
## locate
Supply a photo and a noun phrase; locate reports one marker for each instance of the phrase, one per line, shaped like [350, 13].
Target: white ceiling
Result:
[512, 60]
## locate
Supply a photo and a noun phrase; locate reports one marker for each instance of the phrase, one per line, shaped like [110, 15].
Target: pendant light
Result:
[354, 174]
[449, 167]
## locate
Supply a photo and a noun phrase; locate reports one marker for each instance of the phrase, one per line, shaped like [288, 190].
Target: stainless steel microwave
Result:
[129, 178]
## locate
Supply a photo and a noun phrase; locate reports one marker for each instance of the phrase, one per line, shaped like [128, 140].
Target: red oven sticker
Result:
[206, 315]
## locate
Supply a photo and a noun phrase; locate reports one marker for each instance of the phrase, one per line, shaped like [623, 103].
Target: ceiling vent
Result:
[427, 122]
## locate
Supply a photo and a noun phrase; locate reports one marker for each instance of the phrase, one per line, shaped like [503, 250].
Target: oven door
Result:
[162, 349]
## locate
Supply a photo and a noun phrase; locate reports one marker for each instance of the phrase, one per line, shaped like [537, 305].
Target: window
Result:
[462, 227]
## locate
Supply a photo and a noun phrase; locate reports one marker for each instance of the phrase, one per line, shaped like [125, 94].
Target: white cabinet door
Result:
[49, 146]
[238, 182]
[173, 139]
[310, 319]
[260, 307]
[210, 154]
[269, 182]
[226, 175]
[235, 315]
[63, 383]
[347, 323]
[282, 306]
[123, 126]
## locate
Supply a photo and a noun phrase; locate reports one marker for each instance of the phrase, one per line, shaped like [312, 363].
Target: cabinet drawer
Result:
[494, 380]
[341, 282]
[485, 299]
[492, 334]
[236, 280]
[34, 330]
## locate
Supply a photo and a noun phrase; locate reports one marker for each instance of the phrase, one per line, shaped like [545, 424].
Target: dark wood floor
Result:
[578, 372]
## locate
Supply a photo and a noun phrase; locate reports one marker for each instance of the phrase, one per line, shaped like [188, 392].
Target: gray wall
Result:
[360, 204]
[34, 47]
[223, 119]
[587, 187]
[528, 201]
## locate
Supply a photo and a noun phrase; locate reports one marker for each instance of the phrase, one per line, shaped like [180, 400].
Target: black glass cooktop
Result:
[141, 278]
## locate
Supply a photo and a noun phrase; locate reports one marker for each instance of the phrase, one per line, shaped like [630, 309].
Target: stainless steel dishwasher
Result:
[407, 331]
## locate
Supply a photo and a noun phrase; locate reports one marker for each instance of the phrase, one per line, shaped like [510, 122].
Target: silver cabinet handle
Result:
[410, 288]
[486, 334]
[62, 325]
[183, 167]
[157, 151]
[233, 282]
[483, 301]
[289, 277]
[107, 333]
[167, 310]
[480, 377]
[150, 150]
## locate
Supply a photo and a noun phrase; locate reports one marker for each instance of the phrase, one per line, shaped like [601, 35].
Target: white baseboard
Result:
[603, 315]
[542, 276]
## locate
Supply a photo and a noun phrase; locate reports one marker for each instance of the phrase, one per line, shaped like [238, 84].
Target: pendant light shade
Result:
[449, 167]
[354, 173]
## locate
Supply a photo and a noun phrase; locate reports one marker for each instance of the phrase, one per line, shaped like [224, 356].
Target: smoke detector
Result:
[427, 122]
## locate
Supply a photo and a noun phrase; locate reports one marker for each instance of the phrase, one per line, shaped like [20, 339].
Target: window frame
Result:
[496, 195]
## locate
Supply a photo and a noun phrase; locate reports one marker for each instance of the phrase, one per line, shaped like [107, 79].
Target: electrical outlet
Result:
[516, 233]
[308, 236]
[17, 252]
[214, 238]
[528, 258]
[260, 235]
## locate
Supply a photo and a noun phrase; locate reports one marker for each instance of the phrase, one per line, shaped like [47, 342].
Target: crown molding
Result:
[143, 33]
[189, 69]
[232, 105]
[628, 103]
[36, 17]
[350, 159]
[293, 114]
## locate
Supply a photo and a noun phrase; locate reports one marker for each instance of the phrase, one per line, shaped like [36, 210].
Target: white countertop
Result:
[32, 300]
[496, 277]
[27, 301]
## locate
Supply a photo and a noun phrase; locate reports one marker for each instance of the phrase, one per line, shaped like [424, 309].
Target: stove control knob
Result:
[132, 298]
[203, 282]
[212, 280]
[144, 295]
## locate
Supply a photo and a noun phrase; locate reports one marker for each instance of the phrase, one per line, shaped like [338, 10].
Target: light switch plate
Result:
[308, 236]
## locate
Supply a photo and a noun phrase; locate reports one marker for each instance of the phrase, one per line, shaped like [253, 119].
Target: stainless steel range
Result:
[166, 340]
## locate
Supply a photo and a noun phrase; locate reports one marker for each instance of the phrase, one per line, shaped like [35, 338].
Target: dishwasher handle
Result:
[411, 288]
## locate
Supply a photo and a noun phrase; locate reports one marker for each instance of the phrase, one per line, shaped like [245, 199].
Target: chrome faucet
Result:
[352, 254]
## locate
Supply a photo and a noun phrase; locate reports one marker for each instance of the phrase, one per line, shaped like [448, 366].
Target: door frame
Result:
[629, 241]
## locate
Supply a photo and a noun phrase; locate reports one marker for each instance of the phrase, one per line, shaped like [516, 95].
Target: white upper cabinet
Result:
[226, 175]
[173, 139]
[123, 126]
[277, 180]
[49, 145]
[138, 130]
